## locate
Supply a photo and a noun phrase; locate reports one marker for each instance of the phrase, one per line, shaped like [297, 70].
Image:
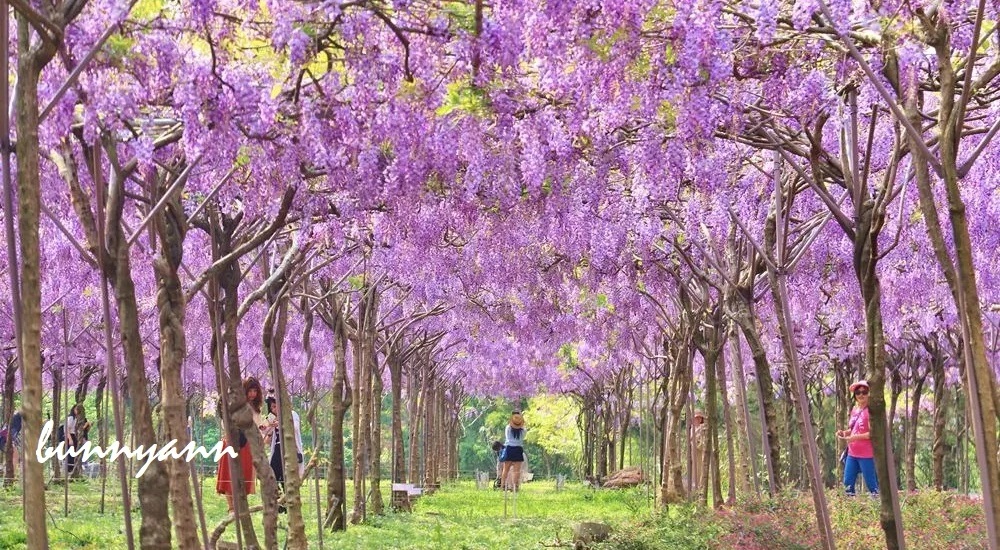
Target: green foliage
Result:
[118, 47]
[474, 452]
[465, 98]
[603, 45]
[147, 10]
[553, 428]
[463, 14]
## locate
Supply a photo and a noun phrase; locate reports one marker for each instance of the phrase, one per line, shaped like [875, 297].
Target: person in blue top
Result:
[512, 456]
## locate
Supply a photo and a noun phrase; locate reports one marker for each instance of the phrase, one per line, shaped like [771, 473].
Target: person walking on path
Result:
[860, 453]
[512, 456]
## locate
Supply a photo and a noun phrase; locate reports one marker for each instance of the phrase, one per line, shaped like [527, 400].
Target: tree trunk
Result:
[396, 389]
[10, 369]
[601, 440]
[30, 62]
[336, 496]
[895, 389]
[980, 379]
[747, 450]
[170, 224]
[83, 385]
[588, 440]
[416, 393]
[844, 376]
[911, 444]
[868, 224]
[791, 354]
[765, 386]
[240, 413]
[940, 417]
[726, 415]
[273, 339]
[375, 468]
[58, 418]
[791, 434]
[154, 484]
[708, 343]
[363, 407]
[672, 491]
[431, 434]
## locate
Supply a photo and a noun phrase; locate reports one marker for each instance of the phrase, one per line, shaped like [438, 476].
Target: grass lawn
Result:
[459, 516]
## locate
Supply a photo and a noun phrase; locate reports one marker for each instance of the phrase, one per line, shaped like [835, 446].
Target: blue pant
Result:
[867, 469]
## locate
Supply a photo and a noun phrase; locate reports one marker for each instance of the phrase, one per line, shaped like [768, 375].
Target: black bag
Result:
[243, 439]
[299, 456]
[61, 433]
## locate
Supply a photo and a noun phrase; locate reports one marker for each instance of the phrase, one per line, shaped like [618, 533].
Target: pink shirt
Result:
[861, 448]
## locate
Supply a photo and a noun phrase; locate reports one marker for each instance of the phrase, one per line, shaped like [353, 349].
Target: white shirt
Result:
[298, 435]
[70, 427]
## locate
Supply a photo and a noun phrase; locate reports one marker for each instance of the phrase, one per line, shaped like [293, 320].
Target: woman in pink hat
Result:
[860, 454]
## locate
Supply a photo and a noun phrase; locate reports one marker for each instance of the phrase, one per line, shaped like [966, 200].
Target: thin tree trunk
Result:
[314, 400]
[602, 441]
[791, 434]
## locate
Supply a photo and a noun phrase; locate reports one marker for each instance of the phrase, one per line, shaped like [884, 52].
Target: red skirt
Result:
[224, 480]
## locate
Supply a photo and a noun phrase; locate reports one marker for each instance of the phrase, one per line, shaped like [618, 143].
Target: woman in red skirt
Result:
[224, 483]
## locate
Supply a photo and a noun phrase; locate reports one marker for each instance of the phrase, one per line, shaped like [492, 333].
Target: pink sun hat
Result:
[860, 384]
